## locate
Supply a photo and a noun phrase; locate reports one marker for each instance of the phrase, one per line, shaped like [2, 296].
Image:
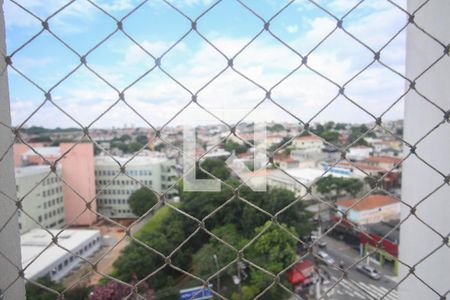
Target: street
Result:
[356, 285]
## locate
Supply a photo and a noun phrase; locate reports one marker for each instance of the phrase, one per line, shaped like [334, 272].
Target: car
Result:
[325, 257]
[322, 244]
[369, 271]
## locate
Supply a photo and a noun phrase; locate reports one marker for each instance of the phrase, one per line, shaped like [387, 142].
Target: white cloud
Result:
[116, 5]
[304, 93]
[292, 28]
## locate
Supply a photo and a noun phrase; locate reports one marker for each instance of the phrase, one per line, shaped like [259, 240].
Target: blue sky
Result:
[229, 26]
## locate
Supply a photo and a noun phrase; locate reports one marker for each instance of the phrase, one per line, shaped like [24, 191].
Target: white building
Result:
[359, 152]
[297, 180]
[153, 171]
[43, 197]
[371, 209]
[55, 261]
[308, 142]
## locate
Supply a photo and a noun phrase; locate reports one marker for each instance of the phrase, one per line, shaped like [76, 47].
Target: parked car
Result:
[369, 271]
[322, 244]
[325, 257]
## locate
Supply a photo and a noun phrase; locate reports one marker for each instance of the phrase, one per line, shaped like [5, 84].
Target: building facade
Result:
[371, 209]
[155, 172]
[42, 195]
[308, 142]
[78, 173]
[55, 261]
[77, 161]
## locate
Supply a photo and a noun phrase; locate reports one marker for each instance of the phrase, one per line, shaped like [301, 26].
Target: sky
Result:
[193, 62]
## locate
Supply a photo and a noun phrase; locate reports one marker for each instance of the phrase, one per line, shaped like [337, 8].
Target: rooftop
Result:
[361, 166]
[383, 228]
[304, 175]
[32, 170]
[369, 202]
[384, 159]
[105, 160]
[308, 138]
[44, 151]
[35, 241]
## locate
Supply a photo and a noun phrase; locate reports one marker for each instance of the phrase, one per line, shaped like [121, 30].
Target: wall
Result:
[417, 240]
[9, 232]
[78, 172]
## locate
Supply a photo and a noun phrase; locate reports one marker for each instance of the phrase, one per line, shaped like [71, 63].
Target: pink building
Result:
[77, 171]
[20, 149]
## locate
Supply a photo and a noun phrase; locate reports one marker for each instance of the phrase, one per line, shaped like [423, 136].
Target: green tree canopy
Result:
[35, 292]
[274, 251]
[214, 166]
[235, 223]
[142, 139]
[276, 127]
[203, 260]
[231, 146]
[330, 136]
[141, 201]
[333, 187]
[356, 132]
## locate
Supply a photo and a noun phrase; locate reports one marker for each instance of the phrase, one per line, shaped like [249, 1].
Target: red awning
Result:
[299, 272]
[294, 276]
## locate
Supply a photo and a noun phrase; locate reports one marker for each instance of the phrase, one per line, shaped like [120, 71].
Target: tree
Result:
[273, 201]
[333, 187]
[330, 136]
[41, 138]
[276, 127]
[163, 232]
[141, 201]
[216, 167]
[356, 132]
[203, 260]
[372, 181]
[125, 137]
[340, 126]
[231, 146]
[234, 223]
[114, 290]
[329, 125]
[284, 141]
[273, 251]
[159, 147]
[318, 129]
[142, 139]
[35, 292]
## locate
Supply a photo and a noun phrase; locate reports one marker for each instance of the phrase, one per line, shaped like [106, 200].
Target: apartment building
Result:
[42, 197]
[152, 170]
[77, 170]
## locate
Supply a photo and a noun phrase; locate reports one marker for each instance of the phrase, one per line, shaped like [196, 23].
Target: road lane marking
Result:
[394, 291]
[383, 290]
[376, 292]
